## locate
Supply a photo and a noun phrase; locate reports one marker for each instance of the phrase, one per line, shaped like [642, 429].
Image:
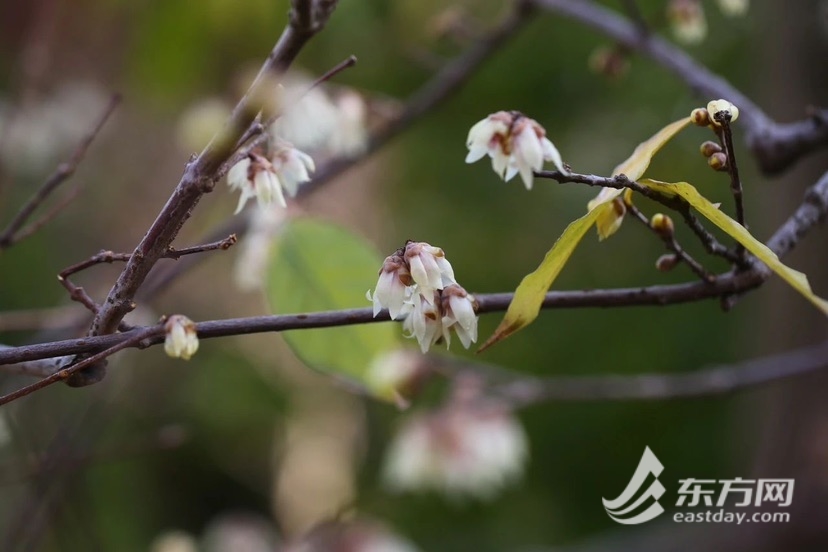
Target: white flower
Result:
[256, 177]
[716, 106]
[458, 314]
[424, 321]
[397, 375]
[182, 339]
[465, 449]
[429, 268]
[516, 144]
[393, 287]
[292, 166]
[687, 21]
[733, 8]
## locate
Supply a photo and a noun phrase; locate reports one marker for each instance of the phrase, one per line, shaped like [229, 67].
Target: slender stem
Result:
[64, 171]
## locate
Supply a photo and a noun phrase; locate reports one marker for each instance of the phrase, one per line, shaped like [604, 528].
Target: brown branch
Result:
[133, 339]
[198, 177]
[65, 170]
[434, 92]
[812, 211]
[776, 146]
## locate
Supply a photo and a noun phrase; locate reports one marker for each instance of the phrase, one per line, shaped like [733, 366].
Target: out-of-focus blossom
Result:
[613, 63]
[516, 144]
[397, 375]
[472, 447]
[734, 8]
[254, 250]
[201, 122]
[359, 536]
[181, 340]
[37, 134]
[687, 21]
[240, 532]
[174, 541]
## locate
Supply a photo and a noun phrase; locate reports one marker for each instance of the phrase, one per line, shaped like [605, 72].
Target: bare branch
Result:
[717, 380]
[198, 177]
[776, 146]
[64, 171]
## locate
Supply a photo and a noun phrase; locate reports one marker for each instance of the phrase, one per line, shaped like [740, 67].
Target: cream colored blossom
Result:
[181, 340]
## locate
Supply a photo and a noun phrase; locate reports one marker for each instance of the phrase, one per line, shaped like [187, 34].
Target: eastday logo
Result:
[619, 508]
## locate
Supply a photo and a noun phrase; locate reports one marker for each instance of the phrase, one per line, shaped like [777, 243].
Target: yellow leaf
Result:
[637, 164]
[796, 279]
[530, 293]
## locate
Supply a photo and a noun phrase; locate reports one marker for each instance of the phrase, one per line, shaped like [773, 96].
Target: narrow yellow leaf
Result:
[635, 166]
[530, 293]
[794, 278]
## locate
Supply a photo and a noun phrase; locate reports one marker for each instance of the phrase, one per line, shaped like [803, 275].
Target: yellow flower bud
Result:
[718, 161]
[663, 224]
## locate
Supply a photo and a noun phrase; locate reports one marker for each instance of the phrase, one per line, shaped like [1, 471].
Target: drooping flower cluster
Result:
[265, 179]
[181, 340]
[417, 284]
[474, 446]
[516, 144]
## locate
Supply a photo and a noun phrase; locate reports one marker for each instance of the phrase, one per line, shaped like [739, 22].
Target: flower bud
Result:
[709, 148]
[609, 62]
[700, 117]
[663, 224]
[718, 161]
[181, 340]
[667, 262]
[718, 109]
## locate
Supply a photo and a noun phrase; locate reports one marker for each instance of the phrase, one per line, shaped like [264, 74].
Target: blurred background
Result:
[245, 447]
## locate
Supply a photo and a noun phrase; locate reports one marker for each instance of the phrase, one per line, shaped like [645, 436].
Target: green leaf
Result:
[635, 166]
[530, 293]
[794, 278]
[318, 266]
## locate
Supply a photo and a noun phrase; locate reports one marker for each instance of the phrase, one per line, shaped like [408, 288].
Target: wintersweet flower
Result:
[263, 179]
[181, 340]
[292, 166]
[393, 287]
[424, 321]
[687, 21]
[469, 448]
[256, 177]
[734, 8]
[458, 314]
[717, 106]
[612, 214]
[516, 144]
[429, 268]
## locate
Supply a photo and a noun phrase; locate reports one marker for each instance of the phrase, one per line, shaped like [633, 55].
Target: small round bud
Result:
[609, 62]
[667, 262]
[663, 224]
[718, 161]
[700, 117]
[709, 148]
[720, 109]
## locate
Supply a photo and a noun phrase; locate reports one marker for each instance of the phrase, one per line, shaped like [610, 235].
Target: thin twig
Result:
[672, 245]
[134, 339]
[776, 146]
[64, 171]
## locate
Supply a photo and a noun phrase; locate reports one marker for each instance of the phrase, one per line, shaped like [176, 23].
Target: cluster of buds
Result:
[716, 112]
[267, 180]
[516, 144]
[181, 338]
[473, 446]
[416, 284]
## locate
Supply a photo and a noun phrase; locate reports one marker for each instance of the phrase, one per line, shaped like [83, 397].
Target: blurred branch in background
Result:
[15, 230]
